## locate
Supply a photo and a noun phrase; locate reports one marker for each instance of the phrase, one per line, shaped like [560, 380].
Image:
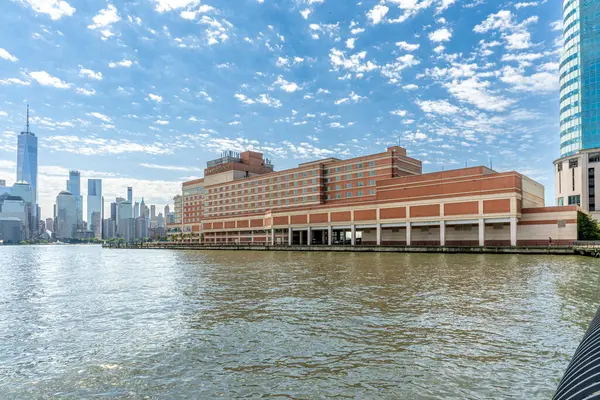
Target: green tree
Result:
[587, 227]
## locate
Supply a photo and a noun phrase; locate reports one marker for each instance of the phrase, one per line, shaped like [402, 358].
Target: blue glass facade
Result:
[27, 161]
[579, 77]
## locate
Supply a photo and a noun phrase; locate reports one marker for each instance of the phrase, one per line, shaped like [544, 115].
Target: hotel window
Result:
[560, 201]
[348, 167]
[574, 200]
[348, 194]
[337, 187]
[314, 189]
[360, 184]
[372, 173]
[348, 186]
[338, 178]
[371, 163]
[314, 181]
[349, 176]
[314, 198]
[328, 197]
[327, 188]
[314, 171]
[304, 174]
[337, 169]
[371, 182]
[359, 193]
[359, 165]
[359, 174]
[326, 171]
[371, 191]
[338, 196]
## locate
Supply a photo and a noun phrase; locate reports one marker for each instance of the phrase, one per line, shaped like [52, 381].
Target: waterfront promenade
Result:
[557, 250]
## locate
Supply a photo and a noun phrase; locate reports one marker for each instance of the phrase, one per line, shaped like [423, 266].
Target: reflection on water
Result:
[82, 321]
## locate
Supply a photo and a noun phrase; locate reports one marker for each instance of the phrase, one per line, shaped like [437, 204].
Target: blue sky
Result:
[144, 92]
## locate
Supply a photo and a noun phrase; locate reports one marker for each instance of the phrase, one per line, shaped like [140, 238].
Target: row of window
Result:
[359, 193]
[349, 167]
[358, 175]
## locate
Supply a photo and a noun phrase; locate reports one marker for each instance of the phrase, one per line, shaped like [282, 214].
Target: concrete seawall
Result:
[366, 249]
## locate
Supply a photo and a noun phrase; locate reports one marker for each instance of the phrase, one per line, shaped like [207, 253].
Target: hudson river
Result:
[80, 322]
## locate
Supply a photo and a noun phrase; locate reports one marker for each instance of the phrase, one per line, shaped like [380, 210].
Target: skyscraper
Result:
[94, 203]
[74, 187]
[27, 160]
[66, 215]
[579, 92]
[136, 210]
[577, 182]
[130, 194]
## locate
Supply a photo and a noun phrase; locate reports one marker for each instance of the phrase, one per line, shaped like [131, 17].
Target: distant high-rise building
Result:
[66, 218]
[167, 210]
[130, 194]
[50, 224]
[108, 228]
[136, 210]
[113, 211]
[160, 221]
[125, 221]
[141, 228]
[96, 222]
[2, 182]
[27, 160]
[74, 187]
[24, 191]
[153, 212]
[178, 208]
[94, 204]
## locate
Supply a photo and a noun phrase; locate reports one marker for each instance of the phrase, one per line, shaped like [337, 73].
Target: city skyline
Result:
[455, 82]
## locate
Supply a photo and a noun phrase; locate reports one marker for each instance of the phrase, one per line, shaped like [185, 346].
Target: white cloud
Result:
[124, 63]
[154, 97]
[56, 9]
[399, 113]
[234, 123]
[86, 92]
[105, 18]
[356, 31]
[268, 100]
[335, 125]
[305, 13]
[100, 116]
[410, 86]
[45, 79]
[515, 34]
[440, 35]
[557, 25]
[286, 86]
[88, 73]
[14, 81]
[7, 56]
[281, 62]
[407, 46]
[352, 97]
[243, 98]
[169, 167]
[538, 82]
[526, 4]
[393, 70]
[438, 107]
[354, 63]
[190, 15]
[476, 92]
[170, 5]
[350, 43]
[377, 13]
[161, 122]
[439, 49]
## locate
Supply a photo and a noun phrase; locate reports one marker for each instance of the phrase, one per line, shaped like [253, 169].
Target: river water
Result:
[81, 322]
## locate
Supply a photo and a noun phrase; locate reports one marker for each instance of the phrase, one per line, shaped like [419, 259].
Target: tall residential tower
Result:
[74, 187]
[94, 205]
[575, 171]
[27, 160]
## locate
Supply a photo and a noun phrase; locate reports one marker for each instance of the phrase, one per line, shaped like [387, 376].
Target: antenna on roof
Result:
[27, 118]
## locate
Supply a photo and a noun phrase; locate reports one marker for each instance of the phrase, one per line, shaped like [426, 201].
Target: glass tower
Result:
[580, 77]
[27, 160]
[94, 201]
[74, 186]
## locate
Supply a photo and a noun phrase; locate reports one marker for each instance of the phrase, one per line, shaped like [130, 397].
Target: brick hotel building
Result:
[378, 199]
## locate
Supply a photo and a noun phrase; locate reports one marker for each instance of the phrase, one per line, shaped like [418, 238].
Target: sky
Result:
[143, 93]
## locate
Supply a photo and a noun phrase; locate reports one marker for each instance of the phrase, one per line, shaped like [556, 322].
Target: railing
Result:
[582, 377]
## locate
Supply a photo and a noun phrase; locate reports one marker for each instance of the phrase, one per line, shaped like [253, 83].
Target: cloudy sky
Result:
[144, 92]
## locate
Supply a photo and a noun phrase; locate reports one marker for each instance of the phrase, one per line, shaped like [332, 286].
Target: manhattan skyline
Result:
[139, 96]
